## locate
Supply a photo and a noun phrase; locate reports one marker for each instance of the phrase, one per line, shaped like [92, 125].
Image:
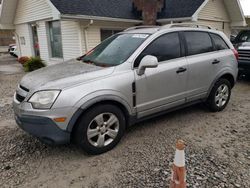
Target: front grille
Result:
[19, 98]
[21, 93]
[24, 88]
[244, 55]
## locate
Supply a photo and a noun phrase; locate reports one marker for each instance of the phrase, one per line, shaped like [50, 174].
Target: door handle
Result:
[215, 62]
[180, 70]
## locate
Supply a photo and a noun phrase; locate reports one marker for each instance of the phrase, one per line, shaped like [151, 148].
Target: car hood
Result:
[244, 45]
[63, 75]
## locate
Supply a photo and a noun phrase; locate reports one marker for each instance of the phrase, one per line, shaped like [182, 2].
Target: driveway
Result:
[217, 153]
[9, 65]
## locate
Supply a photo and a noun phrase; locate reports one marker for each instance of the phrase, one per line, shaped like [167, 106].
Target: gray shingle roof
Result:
[103, 8]
[180, 8]
[124, 8]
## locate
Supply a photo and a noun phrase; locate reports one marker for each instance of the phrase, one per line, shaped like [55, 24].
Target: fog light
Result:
[60, 119]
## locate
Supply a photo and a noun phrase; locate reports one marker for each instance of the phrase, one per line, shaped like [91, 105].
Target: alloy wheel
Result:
[103, 129]
[222, 95]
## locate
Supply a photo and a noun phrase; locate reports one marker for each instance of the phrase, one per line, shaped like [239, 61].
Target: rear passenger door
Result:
[204, 62]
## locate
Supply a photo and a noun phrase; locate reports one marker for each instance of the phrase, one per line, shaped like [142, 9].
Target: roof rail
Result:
[186, 25]
[141, 27]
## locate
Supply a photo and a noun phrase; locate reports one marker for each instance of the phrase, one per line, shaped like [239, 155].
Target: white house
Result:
[59, 30]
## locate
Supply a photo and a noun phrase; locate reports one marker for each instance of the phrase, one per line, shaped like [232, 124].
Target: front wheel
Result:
[100, 129]
[219, 96]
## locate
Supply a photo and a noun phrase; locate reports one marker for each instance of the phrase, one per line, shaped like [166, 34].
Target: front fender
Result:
[96, 97]
[100, 96]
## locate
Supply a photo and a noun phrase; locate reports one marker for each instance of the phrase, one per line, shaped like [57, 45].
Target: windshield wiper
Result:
[88, 61]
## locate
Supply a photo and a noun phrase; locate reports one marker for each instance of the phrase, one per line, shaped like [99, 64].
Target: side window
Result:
[198, 42]
[219, 43]
[165, 47]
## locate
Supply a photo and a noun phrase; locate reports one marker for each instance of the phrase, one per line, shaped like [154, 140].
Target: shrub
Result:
[34, 63]
[23, 60]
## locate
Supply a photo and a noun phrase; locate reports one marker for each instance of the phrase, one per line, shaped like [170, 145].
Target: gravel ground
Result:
[217, 153]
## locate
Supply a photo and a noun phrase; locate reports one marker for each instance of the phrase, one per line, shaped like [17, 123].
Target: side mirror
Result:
[148, 61]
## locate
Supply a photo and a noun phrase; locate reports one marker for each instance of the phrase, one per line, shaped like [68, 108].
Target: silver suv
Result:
[131, 76]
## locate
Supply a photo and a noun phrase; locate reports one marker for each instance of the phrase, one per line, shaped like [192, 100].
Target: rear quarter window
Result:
[219, 43]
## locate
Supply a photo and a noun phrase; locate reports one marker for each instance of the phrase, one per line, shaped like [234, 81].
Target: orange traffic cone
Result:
[178, 179]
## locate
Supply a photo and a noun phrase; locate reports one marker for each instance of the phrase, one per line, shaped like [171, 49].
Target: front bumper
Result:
[43, 128]
[40, 123]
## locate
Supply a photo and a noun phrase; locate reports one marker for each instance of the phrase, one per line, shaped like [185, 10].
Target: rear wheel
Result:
[219, 96]
[100, 129]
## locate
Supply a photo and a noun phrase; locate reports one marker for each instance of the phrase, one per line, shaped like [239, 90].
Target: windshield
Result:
[115, 50]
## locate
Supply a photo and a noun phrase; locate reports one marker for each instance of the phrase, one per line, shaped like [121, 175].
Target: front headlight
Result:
[44, 99]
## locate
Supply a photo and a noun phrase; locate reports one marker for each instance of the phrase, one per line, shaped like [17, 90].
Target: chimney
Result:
[149, 10]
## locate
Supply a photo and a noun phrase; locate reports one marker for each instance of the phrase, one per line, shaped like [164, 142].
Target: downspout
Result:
[86, 34]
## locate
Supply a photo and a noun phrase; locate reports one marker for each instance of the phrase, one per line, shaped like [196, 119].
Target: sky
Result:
[246, 6]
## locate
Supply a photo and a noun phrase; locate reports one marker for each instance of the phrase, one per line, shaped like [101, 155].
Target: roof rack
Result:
[186, 25]
[141, 27]
[170, 26]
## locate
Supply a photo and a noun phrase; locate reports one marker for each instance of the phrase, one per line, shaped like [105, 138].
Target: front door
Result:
[165, 86]
[35, 40]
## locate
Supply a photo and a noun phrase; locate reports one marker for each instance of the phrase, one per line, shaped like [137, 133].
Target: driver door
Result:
[163, 87]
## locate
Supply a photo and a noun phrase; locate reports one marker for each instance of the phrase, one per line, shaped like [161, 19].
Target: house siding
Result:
[214, 10]
[93, 32]
[71, 39]
[93, 37]
[32, 10]
[43, 40]
[215, 15]
[24, 31]
[217, 25]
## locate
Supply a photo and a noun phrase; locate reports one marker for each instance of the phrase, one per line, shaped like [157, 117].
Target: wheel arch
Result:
[225, 75]
[98, 101]
[230, 78]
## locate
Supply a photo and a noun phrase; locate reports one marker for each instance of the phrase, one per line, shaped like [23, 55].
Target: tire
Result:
[95, 133]
[219, 98]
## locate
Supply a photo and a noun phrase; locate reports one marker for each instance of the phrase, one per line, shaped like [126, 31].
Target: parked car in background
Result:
[10, 46]
[129, 77]
[14, 51]
[242, 44]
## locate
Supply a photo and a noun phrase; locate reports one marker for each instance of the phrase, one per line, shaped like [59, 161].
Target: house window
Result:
[106, 33]
[55, 39]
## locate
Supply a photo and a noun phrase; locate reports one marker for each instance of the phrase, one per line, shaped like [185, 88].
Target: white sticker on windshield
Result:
[141, 36]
